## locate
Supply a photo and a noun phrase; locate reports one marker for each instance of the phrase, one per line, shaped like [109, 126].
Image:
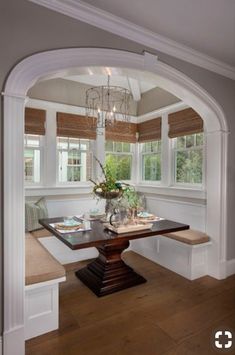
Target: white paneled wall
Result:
[58, 207]
[190, 212]
[189, 261]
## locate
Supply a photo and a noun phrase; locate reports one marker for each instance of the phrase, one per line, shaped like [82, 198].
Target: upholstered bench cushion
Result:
[40, 264]
[189, 236]
[40, 233]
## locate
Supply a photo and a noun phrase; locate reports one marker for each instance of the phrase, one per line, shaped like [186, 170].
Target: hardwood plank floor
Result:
[168, 315]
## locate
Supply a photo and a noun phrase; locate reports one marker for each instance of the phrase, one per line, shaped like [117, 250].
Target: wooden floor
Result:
[167, 315]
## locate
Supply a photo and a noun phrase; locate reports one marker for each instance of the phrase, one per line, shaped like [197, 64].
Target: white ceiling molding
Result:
[135, 89]
[116, 25]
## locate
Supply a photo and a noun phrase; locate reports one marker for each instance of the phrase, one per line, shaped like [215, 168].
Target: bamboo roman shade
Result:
[121, 132]
[35, 121]
[149, 130]
[184, 122]
[75, 126]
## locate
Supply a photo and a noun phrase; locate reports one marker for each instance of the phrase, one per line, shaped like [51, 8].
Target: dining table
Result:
[108, 273]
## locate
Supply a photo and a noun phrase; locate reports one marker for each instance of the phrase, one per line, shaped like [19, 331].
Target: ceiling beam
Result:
[134, 88]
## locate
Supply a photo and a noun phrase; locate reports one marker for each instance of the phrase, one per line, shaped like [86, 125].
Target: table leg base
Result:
[108, 273]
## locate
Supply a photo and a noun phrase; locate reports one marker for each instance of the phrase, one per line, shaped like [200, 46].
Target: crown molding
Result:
[102, 19]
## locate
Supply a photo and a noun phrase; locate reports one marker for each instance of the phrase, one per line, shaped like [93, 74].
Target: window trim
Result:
[49, 179]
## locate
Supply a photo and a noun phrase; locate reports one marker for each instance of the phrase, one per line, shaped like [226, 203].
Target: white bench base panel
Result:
[189, 261]
[42, 307]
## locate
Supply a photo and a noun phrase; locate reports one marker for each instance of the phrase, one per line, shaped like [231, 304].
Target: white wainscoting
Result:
[186, 260]
[67, 205]
[190, 261]
[72, 206]
[185, 210]
[42, 307]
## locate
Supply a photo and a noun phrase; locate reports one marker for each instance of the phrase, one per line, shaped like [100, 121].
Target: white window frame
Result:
[58, 150]
[41, 150]
[50, 185]
[131, 153]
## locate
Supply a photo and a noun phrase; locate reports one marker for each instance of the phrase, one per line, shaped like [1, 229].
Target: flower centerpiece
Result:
[108, 188]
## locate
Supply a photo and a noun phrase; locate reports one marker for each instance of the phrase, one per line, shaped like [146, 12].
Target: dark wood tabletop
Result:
[99, 235]
[108, 273]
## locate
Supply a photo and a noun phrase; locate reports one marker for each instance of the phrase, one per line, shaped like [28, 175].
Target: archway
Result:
[50, 63]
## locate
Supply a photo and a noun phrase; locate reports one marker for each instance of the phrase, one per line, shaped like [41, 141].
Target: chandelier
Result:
[107, 104]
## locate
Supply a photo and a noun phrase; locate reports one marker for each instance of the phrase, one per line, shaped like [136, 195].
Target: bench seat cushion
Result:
[189, 236]
[40, 265]
[40, 233]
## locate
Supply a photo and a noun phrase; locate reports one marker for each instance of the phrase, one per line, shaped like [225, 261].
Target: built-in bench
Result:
[41, 233]
[189, 236]
[43, 273]
[184, 252]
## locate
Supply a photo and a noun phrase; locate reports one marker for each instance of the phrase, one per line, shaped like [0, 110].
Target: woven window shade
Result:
[121, 132]
[34, 121]
[150, 130]
[74, 126]
[184, 122]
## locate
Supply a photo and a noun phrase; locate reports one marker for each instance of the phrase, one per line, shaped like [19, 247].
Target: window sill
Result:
[172, 191]
[86, 188]
[58, 190]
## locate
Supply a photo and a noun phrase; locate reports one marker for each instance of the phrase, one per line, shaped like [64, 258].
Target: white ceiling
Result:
[204, 25]
[116, 80]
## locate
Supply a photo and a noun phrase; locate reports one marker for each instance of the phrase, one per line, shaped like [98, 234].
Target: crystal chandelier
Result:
[107, 104]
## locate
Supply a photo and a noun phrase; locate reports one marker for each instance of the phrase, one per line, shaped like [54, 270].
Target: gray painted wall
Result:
[27, 28]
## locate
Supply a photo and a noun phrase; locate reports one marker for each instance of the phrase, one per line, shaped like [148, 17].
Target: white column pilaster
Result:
[216, 143]
[14, 268]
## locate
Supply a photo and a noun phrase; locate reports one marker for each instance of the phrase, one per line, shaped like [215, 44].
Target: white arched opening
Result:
[50, 63]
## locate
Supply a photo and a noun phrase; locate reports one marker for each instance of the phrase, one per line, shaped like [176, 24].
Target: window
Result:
[119, 156]
[151, 160]
[32, 158]
[188, 159]
[75, 161]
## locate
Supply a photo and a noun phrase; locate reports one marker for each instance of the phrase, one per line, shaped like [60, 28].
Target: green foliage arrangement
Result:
[108, 187]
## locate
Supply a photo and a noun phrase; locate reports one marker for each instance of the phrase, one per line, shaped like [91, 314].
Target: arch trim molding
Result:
[57, 62]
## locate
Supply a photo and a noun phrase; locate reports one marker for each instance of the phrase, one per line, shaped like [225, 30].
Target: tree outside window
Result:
[151, 161]
[188, 159]
[118, 158]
